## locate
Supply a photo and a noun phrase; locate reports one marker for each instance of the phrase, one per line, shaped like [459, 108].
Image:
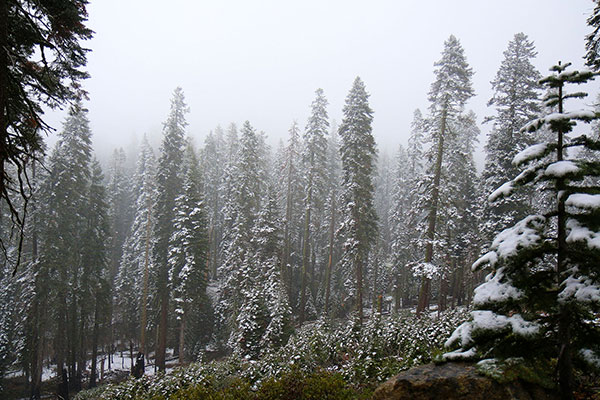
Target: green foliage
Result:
[348, 359]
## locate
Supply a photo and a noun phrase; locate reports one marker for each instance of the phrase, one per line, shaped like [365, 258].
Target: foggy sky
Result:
[263, 60]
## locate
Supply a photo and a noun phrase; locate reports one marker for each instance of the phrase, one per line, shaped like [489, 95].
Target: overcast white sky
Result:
[262, 60]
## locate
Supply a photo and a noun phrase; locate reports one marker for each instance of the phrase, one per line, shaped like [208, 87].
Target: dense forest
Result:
[233, 247]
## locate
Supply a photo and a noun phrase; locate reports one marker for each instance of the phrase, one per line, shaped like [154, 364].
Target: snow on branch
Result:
[580, 289]
[524, 234]
[496, 289]
[579, 233]
[568, 117]
[560, 169]
[531, 153]
[486, 320]
[491, 257]
[584, 200]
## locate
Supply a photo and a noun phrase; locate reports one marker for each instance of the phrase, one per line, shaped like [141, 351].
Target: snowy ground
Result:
[120, 363]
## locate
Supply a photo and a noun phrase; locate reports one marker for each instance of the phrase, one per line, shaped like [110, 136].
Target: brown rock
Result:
[454, 381]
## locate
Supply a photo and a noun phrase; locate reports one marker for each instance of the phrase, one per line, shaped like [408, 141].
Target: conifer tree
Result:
[267, 240]
[64, 204]
[592, 40]
[41, 61]
[459, 211]
[403, 243]
[72, 252]
[332, 212]
[291, 188]
[96, 274]
[516, 100]
[168, 184]
[188, 250]
[242, 208]
[448, 95]
[358, 153]
[131, 286]
[119, 198]
[213, 168]
[313, 158]
[544, 289]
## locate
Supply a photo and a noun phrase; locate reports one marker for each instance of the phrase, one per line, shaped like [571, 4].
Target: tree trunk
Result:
[37, 356]
[358, 264]
[425, 291]
[565, 362]
[131, 359]
[95, 333]
[374, 297]
[182, 338]
[161, 349]
[330, 258]
[38, 308]
[305, 252]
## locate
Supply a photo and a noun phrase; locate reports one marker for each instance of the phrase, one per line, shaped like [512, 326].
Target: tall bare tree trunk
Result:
[161, 349]
[182, 338]
[330, 258]
[358, 265]
[425, 291]
[95, 333]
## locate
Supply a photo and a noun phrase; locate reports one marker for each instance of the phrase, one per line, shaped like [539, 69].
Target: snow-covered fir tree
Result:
[96, 275]
[458, 217]
[119, 200]
[448, 94]
[168, 184]
[132, 283]
[290, 195]
[188, 250]
[538, 303]
[405, 213]
[314, 156]
[67, 215]
[358, 154]
[333, 216]
[403, 243]
[516, 100]
[213, 169]
[242, 208]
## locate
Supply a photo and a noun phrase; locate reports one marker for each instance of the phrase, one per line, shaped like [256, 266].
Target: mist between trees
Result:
[229, 246]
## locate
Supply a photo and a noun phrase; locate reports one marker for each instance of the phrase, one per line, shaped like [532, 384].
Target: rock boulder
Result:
[454, 381]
